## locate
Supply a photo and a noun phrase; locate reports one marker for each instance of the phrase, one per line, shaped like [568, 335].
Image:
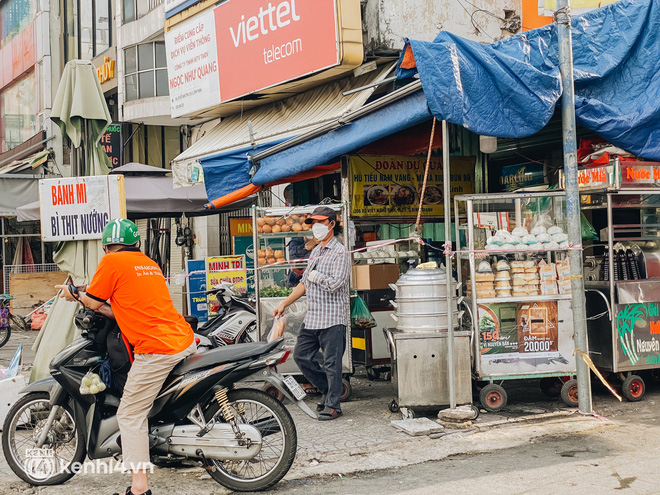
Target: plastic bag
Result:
[587, 230]
[277, 330]
[360, 315]
[91, 384]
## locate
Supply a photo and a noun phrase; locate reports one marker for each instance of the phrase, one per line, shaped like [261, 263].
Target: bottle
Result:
[623, 265]
[616, 275]
[605, 267]
[633, 267]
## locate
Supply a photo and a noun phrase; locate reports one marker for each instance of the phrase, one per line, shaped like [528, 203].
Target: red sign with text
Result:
[263, 43]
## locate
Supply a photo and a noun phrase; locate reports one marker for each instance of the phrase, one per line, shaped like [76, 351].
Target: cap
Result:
[322, 213]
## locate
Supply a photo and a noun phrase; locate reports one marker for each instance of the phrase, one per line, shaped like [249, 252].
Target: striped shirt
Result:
[328, 297]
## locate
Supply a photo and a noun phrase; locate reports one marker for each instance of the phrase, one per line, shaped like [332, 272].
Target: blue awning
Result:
[510, 88]
[229, 171]
[392, 113]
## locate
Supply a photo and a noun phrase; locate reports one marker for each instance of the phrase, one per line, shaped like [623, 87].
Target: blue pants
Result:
[325, 376]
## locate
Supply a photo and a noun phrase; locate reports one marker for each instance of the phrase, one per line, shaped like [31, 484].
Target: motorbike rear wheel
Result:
[279, 442]
[59, 459]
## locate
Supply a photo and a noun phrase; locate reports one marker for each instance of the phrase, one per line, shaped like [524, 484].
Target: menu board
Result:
[390, 186]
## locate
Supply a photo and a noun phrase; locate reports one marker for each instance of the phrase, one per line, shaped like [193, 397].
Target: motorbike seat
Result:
[223, 355]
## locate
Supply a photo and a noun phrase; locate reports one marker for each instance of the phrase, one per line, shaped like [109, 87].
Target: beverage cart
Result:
[512, 257]
[622, 271]
[274, 229]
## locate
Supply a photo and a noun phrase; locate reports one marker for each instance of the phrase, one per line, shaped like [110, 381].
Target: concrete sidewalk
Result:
[364, 439]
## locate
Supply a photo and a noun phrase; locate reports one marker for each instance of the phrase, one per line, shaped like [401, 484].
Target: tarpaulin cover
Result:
[400, 114]
[510, 88]
[227, 172]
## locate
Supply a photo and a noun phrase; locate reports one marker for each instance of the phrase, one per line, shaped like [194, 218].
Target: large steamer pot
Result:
[421, 283]
[421, 305]
[414, 323]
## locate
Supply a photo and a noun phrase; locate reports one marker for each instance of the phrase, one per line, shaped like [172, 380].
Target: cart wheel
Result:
[407, 413]
[569, 393]
[551, 386]
[493, 397]
[633, 388]
[475, 412]
[346, 390]
[393, 406]
[371, 374]
[274, 392]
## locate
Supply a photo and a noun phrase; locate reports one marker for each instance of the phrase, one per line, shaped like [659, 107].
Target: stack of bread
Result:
[525, 278]
[484, 280]
[563, 276]
[502, 279]
[548, 275]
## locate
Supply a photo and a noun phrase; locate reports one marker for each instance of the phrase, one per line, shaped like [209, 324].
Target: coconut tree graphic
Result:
[625, 324]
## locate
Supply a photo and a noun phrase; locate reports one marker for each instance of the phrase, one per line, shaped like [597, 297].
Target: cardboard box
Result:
[368, 277]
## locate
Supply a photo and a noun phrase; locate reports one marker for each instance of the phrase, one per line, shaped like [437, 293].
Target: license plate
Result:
[294, 387]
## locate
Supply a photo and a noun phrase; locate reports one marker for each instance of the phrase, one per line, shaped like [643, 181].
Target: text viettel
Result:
[264, 22]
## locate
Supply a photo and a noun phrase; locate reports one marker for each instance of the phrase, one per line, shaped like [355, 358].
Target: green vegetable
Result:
[275, 291]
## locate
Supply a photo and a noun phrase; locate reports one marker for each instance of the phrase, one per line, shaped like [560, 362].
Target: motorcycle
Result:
[236, 321]
[245, 438]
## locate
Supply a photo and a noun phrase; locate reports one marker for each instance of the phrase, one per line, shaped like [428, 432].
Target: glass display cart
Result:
[622, 270]
[279, 233]
[513, 268]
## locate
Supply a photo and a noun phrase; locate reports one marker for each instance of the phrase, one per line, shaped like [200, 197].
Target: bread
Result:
[504, 284]
[485, 277]
[503, 293]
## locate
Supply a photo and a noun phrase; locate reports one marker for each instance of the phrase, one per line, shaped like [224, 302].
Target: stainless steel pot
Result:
[421, 283]
[421, 305]
[413, 323]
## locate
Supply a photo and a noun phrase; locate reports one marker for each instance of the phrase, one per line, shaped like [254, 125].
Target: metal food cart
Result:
[273, 272]
[622, 272]
[516, 334]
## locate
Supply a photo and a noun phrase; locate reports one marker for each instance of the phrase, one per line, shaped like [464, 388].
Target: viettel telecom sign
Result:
[243, 46]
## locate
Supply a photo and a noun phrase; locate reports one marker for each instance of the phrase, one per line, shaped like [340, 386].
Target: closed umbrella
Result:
[81, 113]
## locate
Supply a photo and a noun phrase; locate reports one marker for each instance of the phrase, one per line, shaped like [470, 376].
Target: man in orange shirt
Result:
[136, 289]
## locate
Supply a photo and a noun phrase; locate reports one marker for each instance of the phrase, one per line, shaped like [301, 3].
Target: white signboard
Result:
[192, 64]
[78, 208]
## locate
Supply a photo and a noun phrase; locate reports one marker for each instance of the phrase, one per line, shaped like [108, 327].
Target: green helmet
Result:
[120, 231]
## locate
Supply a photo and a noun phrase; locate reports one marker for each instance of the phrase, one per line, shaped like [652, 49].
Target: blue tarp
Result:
[227, 172]
[398, 115]
[510, 88]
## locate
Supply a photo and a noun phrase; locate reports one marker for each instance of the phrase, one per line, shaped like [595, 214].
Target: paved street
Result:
[535, 446]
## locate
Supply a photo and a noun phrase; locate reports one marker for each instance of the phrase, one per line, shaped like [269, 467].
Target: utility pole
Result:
[564, 37]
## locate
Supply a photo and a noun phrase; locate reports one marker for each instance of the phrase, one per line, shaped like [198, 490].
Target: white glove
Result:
[313, 276]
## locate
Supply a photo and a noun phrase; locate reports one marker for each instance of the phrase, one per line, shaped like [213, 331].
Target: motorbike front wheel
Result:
[60, 457]
[278, 448]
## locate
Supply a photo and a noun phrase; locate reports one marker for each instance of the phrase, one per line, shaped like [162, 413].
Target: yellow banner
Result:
[226, 269]
[577, 6]
[390, 186]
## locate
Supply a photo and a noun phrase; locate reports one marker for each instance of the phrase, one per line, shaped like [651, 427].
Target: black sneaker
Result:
[129, 492]
[329, 413]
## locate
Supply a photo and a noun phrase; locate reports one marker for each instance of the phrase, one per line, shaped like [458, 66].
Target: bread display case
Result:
[513, 268]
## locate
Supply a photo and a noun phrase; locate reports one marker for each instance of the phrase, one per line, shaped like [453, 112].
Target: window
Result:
[88, 28]
[145, 67]
[19, 113]
[15, 15]
[136, 9]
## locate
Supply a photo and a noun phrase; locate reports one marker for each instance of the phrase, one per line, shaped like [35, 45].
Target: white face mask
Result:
[320, 231]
